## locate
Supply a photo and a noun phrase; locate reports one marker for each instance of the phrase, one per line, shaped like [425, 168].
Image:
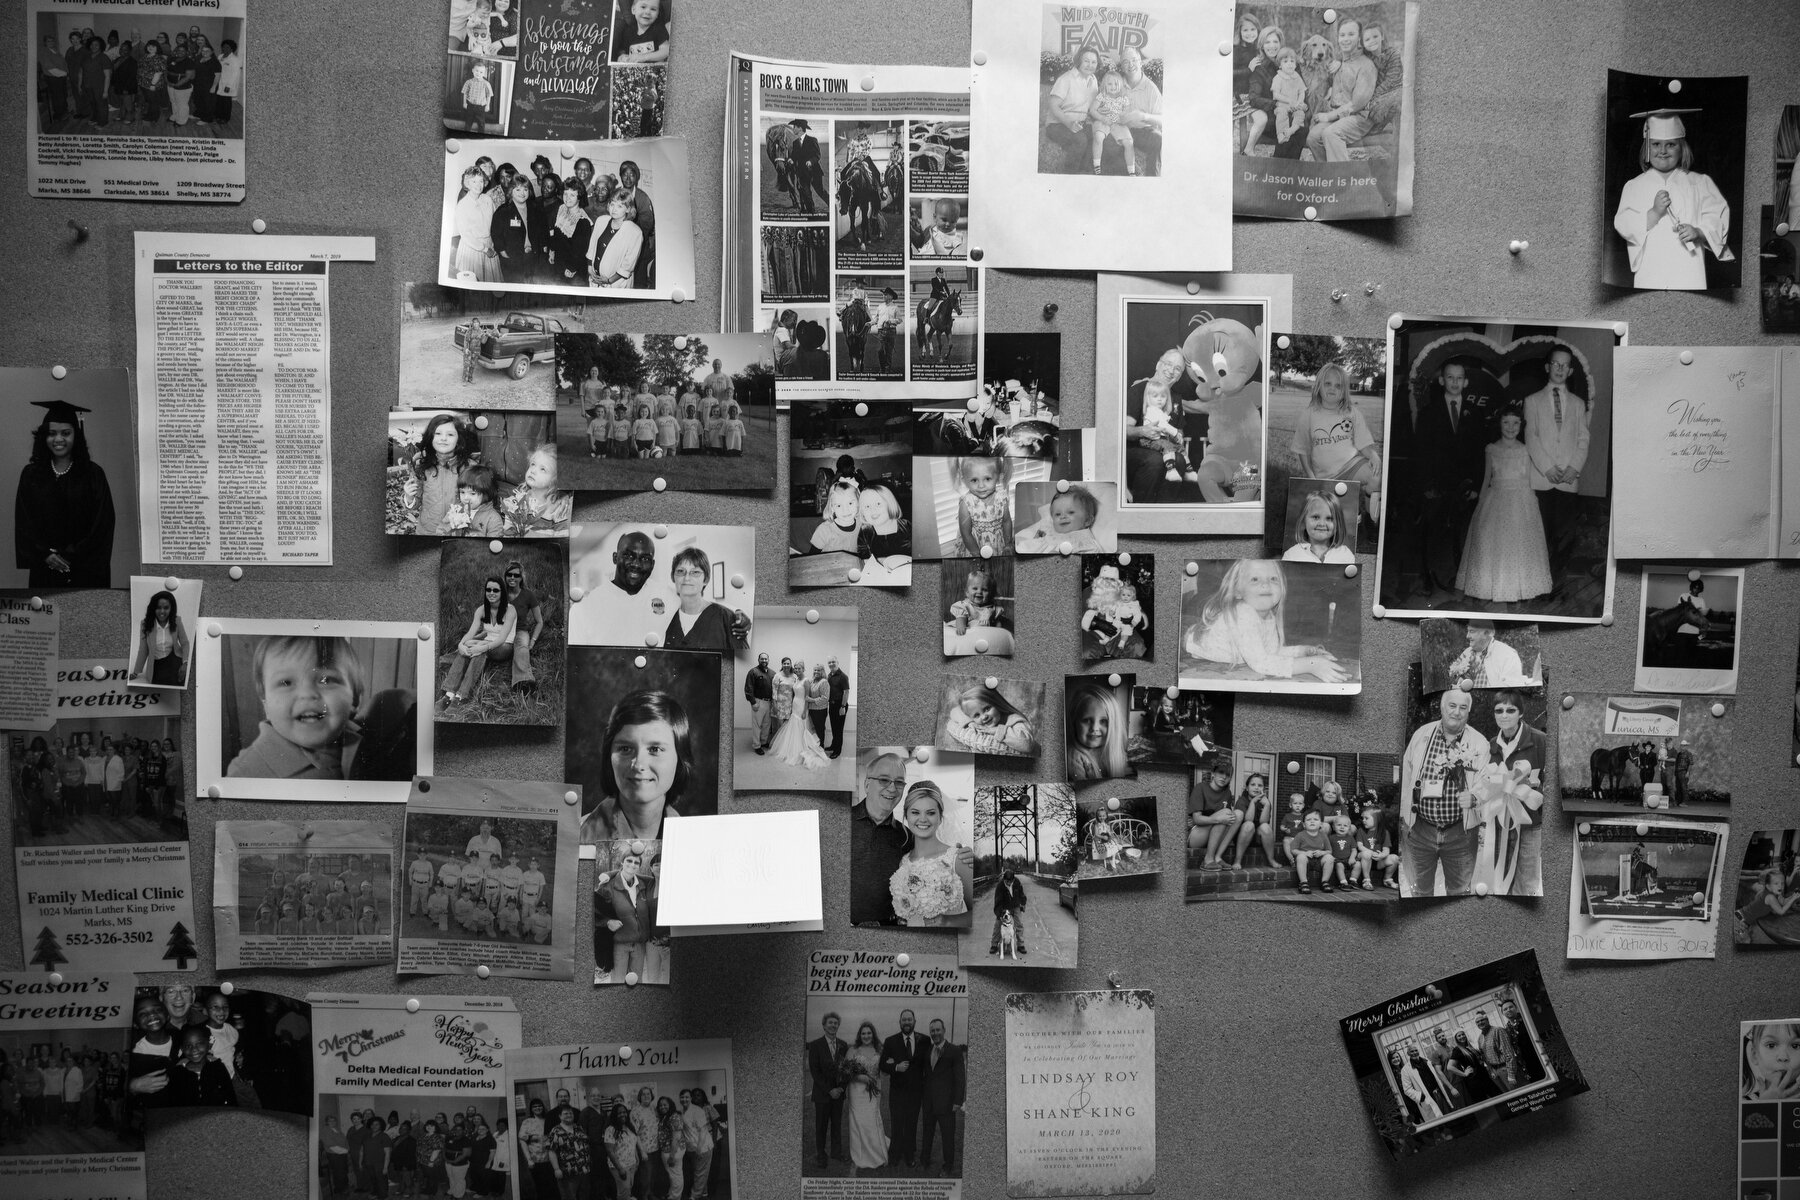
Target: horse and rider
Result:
[860, 188]
[936, 315]
[794, 153]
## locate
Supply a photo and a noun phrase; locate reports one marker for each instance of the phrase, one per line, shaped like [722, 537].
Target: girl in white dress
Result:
[927, 888]
[476, 259]
[1505, 556]
[862, 1065]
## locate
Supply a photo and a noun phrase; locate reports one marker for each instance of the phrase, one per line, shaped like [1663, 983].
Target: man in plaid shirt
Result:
[1431, 814]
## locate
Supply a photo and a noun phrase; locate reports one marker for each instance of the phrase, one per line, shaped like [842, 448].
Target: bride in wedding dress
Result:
[796, 744]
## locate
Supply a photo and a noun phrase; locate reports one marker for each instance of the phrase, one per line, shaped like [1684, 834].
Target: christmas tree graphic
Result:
[180, 947]
[48, 951]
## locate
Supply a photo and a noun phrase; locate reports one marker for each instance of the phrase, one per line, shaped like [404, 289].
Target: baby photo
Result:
[162, 636]
[1479, 653]
[962, 506]
[794, 702]
[682, 587]
[1314, 521]
[1119, 840]
[1096, 727]
[1767, 888]
[1258, 625]
[939, 227]
[475, 474]
[1687, 630]
[976, 599]
[1026, 854]
[881, 838]
[504, 623]
[989, 715]
[313, 710]
[1118, 600]
[1327, 406]
[1175, 727]
[1065, 518]
[851, 490]
[1638, 752]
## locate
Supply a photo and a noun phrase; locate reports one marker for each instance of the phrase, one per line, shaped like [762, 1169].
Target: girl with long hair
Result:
[162, 644]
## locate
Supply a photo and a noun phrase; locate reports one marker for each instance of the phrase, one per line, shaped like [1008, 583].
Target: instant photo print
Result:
[1261, 625]
[1025, 891]
[1645, 753]
[880, 838]
[1646, 888]
[1175, 727]
[1327, 419]
[1687, 630]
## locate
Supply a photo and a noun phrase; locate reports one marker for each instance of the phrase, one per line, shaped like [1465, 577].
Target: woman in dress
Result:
[862, 1085]
[63, 512]
[1065, 121]
[796, 744]
[446, 448]
[1505, 556]
[928, 890]
[569, 235]
[698, 623]
[617, 242]
[162, 644]
[517, 233]
[475, 260]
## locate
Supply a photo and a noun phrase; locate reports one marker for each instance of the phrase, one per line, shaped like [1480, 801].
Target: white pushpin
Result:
[1193, 288]
[171, 584]
[259, 226]
[1674, 86]
[412, 1006]
[1620, 329]
[1172, 692]
[571, 797]
[1781, 229]
[1378, 611]
[424, 633]
[97, 671]
[681, 341]
[1481, 889]
[1350, 570]
[1193, 568]
[993, 681]
[1568, 701]
[37, 604]
[59, 372]
[1606, 618]
[737, 581]
[482, 972]
[903, 959]
[660, 484]
[1587, 827]
[1699, 897]
[1112, 804]
[1518, 246]
[981, 645]
[56, 977]
[1224, 49]
[1395, 321]
[922, 753]
[631, 979]
[1284, 341]
[1686, 357]
[1062, 486]
[1293, 767]
[1718, 708]
[451, 145]
[661, 531]
[624, 1051]
[987, 551]
[1311, 214]
[1465, 684]
[1330, 15]
[496, 546]
[568, 149]
[973, 404]
[1694, 575]
[481, 422]
[1342, 489]
[1642, 829]
[855, 575]
[862, 410]
[640, 662]
[576, 593]
[1114, 679]
[812, 616]
[1066, 549]
[980, 59]
[227, 987]
[650, 639]
[677, 296]
[214, 629]
[1125, 559]
[236, 573]
[868, 83]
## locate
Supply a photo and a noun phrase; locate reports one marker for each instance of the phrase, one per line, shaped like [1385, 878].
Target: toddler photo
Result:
[989, 715]
[976, 596]
[1118, 597]
[1259, 625]
[1065, 518]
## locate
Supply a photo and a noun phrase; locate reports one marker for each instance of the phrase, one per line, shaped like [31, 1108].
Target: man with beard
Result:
[1529, 1068]
[1498, 1053]
[1434, 796]
[902, 1061]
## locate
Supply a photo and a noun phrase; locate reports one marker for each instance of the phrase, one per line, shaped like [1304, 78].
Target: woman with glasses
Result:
[528, 627]
[490, 637]
[698, 623]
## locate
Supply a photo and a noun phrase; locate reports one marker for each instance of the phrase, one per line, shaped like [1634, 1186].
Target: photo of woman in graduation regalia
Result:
[63, 517]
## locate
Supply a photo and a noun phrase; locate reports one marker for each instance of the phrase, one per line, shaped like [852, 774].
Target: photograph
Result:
[989, 715]
[640, 32]
[491, 877]
[944, 329]
[802, 336]
[1096, 727]
[1177, 727]
[871, 211]
[1330, 93]
[1258, 625]
[41, 1064]
[796, 266]
[1479, 653]
[74, 510]
[148, 75]
[866, 337]
[99, 781]
[1766, 887]
[657, 754]
[1118, 607]
[1670, 873]
[1101, 87]
[1327, 410]
[977, 604]
[1780, 278]
[1317, 521]
[1674, 181]
[299, 895]
[1460, 1054]
[1029, 842]
[1496, 488]
[1120, 841]
[478, 350]
[462, 473]
[939, 227]
[162, 639]
[682, 587]
[478, 90]
[339, 892]
[507, 611]
[630, 947]
[795, 701]
[383, 1125]
[313, 710]
[626, 235]
[792, 181]
[962, 506]
[1064, 518]
[937, 156]
[1641, 752]
[214, 1047]
[1687, 630]
[850, 475]
[1009, 418]
[695, 411]
[1264, 826]
[886, 885]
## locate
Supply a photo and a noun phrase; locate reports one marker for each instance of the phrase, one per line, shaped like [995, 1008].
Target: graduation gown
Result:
[71, 514]
[1660, 259]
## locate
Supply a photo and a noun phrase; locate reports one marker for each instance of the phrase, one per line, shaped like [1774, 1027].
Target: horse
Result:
[790, 178]
[856, 319]
[859, 194]
[935, 320]
[1609, 763]
[1662, 625]
[893, 183]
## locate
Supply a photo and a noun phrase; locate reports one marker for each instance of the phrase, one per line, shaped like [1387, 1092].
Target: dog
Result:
[1009, 937]
[1316, 61]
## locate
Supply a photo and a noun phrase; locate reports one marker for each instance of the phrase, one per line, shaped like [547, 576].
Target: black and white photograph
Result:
[850, 503]
[962, 505]
[1479, 653]
[1460, 1054]
[631, 946]
[98, 781]
[213, 1047]
[1120, 840]
[300, 895]
[978, 606]
[503, 856]
[1496, 495]
[1473, 778]
[1102, 84]
[944, 321]
[112, 70]
[693, 411]
[373, 1115]
[889, 884]
[1177, 727]
[937, 156]
[1118, 607]
[794, 702]
[477, 350]
[1064, 518]
[475, 474]
[1317, 521]
[1327, 422]
[870, 223]
[939, 227]
[682, 587]
[1259, 625]
[796, 267]
[478, 92]
[1645, 752]
[1766, 883]
[313, 710]
[793, 183]
[1097, 727]
[1669, 873]
[1674, 181]
[74, 508]
[1016, 413]
[630, 236]
[47, 1120]
[1028, 847]
[986, 714]
[162, 636]
[1687, 630]
[802, 334]
[657, 753]
[502, 610]
[867, 340]
[1780, 278]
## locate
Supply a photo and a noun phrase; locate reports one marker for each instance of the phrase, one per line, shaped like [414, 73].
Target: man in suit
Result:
[805, 174]
[1556, 438]
[840, 705]
[904, 1059]
[1009, 897]
[945, 1085]
[759, 690]
[628, 893]
[1450, 437]
[825, 1063]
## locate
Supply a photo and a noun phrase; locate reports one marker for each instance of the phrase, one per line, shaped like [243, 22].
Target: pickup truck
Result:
[515, 343]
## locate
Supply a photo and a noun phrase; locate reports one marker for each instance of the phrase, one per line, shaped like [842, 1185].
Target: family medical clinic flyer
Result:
[98, 1160]
[419, 1057]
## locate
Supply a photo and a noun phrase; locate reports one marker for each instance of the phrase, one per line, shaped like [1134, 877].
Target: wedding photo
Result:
[1766, 886]
[1027, 849]
[1636, 752]
[681, 587]
[976, 596]
[1257, 625]
[850, 479]
[1327, 419]
[1118, 607]
[1097, 729]
[504, 626]
[1687, 630]
[986, 714]
[794, 702]
[1120, 840]
[1479, 653]
[1177, 727]
[882, 836]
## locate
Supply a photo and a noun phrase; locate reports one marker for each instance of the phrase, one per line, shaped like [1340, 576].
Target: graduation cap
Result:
[61, 410]
[1663, 124]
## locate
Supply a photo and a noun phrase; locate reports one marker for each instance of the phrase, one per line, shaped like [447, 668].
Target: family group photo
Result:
[73, 505]
[912, 860]
[1635, 752]
[794, 707]
[206, 1048]
[1101, 83]
[1261, 625]
[475, 474]
[1177, 726]
[503, 628]
[471, 877]
[625, 1134]
[1463, 1058]
[136, 74]
[850, 499]
[682, 587]
[1327, 421]
[1030, 841]
[340, 892]
[1497, 489]
[99, 781]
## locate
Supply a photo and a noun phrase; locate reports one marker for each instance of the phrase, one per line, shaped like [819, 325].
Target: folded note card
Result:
[741, 869]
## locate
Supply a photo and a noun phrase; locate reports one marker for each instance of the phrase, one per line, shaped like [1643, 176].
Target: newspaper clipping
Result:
[28, 661]
[301, 895]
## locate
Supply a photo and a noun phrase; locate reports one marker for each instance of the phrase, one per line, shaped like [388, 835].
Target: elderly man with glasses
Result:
[878, 839]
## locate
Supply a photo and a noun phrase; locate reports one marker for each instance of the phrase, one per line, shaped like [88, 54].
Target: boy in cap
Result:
[1671, 215]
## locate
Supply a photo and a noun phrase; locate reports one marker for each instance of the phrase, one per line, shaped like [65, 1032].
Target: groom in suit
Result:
[825, 1063]
[840, 705]
[945, 1085]
[1556, 438]
[1450, 438]
[904, 1060]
